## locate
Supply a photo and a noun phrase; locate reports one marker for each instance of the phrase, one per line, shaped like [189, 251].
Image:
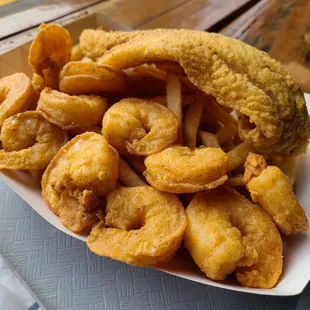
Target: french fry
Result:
[137, 162]
[170, 66]
[186, 99]
[150, 70]
[76, 53]
[127, 176]
[288, 165]
[226, 109]
[238, 155]
[192, 121]
[216, 111]
[236, 181]
[210, 122]
[142, 85]
[86, 59]
[208, 139]
[187, 85]
[228, 146]
[226, 133]
[174, 99]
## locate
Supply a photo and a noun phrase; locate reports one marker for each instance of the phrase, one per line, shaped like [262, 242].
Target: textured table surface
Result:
[66, 275]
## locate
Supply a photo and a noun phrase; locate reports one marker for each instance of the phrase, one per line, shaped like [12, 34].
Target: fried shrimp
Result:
[70, 112]
[178, 169]
[84, 170]
[270, 188]
[143, 226]
[29, 141]
[16, 95]
[139, 127]
[226, 232]
[49, 52]
[82, 78]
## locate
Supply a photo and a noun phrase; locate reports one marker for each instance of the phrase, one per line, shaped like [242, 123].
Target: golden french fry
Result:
[137, 162]
[238, 155]
[86, 59]
[208, 139]
[226, 133]
[174, 99]
[192, 121]
[216, 111]
[76, 53]
[236, 181]
[127, 176]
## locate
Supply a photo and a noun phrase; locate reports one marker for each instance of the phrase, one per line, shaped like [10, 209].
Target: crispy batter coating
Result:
[84, 170]
[142, 227]
[271, 189]
[70, 112]
[50, 50]
[139, 127]
[16, 95]
[226, 232]
[273, 114]
[29, 141]
[178, 169]
[82, 78]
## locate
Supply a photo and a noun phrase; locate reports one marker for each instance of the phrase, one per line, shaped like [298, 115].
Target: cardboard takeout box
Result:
[296, 270]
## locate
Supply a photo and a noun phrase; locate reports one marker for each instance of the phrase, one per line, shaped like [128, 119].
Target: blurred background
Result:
[278, 27]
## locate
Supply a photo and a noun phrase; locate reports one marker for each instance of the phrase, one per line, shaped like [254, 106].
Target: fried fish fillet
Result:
[271, 106]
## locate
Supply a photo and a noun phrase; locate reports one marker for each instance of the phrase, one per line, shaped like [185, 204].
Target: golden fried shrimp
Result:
[226, 232]
[139, 127]
[143, 227]
[16, 95]
[49, 52]
[70, 112]
[29, 141]
[84, 170]
[82, 78]
[270, 188]
[178, 169]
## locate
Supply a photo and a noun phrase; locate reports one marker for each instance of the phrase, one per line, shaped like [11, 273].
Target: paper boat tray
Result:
[296, 270]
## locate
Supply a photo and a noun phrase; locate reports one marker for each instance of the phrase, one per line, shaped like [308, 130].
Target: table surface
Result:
[66, 275]
[60, 269]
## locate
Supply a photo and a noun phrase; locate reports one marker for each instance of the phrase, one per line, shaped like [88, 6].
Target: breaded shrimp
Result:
[226, 232]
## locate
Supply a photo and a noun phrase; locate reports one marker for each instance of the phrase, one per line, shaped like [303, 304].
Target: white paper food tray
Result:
[296, 270]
